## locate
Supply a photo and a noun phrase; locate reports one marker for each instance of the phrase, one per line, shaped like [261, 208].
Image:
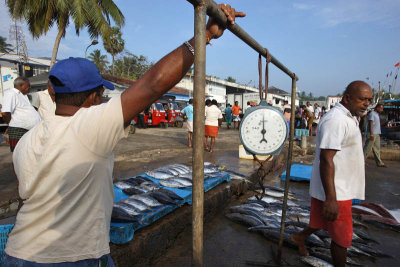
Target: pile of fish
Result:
[179, 175]
[264, 216]
[146, 196]
[376, 214]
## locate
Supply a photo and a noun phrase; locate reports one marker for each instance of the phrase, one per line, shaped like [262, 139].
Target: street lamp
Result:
[94, 42]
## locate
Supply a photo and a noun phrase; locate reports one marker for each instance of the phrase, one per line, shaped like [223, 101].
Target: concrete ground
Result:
[229, 244]
[225, 243]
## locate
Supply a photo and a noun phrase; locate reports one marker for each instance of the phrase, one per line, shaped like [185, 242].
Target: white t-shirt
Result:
[338, 130]
[213, 113]
[45, 105]
[310, 108]
[23, 115]
[64, 167]
[376, 122]
[317, 111]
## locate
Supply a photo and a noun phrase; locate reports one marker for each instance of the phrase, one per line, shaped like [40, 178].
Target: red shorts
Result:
[211, 131]
[340, 230]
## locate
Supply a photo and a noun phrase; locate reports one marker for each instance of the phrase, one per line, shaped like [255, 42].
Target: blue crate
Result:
[121, 233]
[298, 172]
[356, 201]
[4, 231]
[300, 132]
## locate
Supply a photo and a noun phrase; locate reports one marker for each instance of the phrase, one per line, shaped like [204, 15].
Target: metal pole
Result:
[198, 132]
[289, 164]
[214, 11]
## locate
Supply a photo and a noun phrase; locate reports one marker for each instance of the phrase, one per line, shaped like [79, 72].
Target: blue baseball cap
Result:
[76, 75]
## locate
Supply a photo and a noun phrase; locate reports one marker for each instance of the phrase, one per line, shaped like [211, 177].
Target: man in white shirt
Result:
[338, 174]
[18, 112]
[212, 123]
[373, 141]
[45, 103]
[65, 163]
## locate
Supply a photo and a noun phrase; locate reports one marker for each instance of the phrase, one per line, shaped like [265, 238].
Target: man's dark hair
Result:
[73, 99]
[285, 102]
[214, 102]
[191, 101]
[378, 105]
[208, 102]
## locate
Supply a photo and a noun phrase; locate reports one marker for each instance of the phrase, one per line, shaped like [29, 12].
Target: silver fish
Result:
[136, 204]
[149, 201]
[244, 219]
[159, 175]
[123, 185]
[316, 262]
[186, 182]
[171, 183]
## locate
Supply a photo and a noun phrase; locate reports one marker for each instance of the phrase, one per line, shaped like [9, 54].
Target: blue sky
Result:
[326, 43]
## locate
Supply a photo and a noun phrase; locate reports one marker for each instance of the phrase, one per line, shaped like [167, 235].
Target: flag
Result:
[395, 77]
[390, 74]
[398, 64]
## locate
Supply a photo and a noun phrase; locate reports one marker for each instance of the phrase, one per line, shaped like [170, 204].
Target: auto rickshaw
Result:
[156, 115]
[173, 114]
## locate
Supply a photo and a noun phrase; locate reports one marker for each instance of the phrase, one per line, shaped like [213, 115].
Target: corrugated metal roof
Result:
[31, 60]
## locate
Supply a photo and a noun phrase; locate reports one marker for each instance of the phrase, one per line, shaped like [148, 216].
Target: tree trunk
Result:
[113, 65]
[56, 45]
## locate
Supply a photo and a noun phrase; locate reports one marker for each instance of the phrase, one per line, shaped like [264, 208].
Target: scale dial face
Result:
[263, 130]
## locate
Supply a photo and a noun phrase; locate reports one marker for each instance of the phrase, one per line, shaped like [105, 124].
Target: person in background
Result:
[338, 173]
[309, 116]
[68, 189]
[18, 112]
[228, 115]
[323, 111]
[44, 102]
[213, 122]
[317, 116]
[287, 111]
[236, 118]
[309, 107]
[188, 111]
[373, 141]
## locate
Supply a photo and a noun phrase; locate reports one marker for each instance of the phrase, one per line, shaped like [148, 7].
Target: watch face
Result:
[263, 131]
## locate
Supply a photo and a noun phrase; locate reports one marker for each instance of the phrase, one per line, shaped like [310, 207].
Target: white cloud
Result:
[333, 13]
[302, 6]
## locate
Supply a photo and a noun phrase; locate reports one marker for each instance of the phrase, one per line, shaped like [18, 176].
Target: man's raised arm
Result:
[168, 71]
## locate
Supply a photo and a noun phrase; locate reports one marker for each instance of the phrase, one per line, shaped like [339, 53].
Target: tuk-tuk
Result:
[172, 111]
[154, 115]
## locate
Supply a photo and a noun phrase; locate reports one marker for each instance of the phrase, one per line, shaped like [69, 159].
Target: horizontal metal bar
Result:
[214, 11]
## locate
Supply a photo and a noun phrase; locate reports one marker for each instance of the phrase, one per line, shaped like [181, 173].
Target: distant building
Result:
[332, 100]
[12, 66]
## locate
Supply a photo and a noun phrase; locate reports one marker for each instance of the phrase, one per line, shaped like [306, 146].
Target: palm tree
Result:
[42, 15]
[99, 60]
[113, 43]
[4, 46]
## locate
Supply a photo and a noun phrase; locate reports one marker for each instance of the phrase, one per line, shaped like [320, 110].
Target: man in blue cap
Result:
[65, 163]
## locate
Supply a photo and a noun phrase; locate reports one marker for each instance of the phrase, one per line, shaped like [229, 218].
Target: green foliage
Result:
[99, 60]
[230, 79]
[131, 66]
[310, 97]
[4, 46]
[113, 43]
[42, 15]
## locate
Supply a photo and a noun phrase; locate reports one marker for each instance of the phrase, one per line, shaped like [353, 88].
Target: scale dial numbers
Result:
[263, 131]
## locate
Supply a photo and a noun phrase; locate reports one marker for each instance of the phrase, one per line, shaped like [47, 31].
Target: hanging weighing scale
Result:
[263, 130]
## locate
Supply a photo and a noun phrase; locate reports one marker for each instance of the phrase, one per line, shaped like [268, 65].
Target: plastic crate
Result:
[356, 201]
[300, 132]
[4, 231]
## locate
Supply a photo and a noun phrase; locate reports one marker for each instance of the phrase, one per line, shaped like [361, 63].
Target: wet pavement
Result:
[229, 244]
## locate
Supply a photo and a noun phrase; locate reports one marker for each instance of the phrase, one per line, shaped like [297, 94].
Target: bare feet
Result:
[299, 240]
